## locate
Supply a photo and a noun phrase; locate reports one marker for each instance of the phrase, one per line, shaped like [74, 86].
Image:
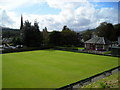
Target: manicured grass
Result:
[108, 52]
[51, 68]
[108, 82]
[81, 48]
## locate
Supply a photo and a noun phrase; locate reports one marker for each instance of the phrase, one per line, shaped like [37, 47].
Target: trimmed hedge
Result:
[66, 48]
[25, 49]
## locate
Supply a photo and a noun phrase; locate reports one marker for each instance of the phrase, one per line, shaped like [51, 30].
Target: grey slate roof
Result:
[98, 40]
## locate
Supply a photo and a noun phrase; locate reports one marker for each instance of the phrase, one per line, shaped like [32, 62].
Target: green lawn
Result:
[51, 68]
[81, 48]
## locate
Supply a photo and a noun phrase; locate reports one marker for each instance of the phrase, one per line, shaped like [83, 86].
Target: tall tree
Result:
[106, 30]
[21, 26]
[117, 29]
[45, 36]
[112, 33]
[21, 29]
[32, 35]
[69, 37]
[27, 36]
[37, 35]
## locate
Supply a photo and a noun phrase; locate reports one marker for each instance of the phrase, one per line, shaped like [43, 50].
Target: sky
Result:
[54, 14]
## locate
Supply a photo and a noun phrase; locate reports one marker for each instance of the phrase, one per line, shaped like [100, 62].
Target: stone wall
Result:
[90, 79]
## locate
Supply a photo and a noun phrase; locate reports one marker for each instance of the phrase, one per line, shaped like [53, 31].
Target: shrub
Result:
[25, 49]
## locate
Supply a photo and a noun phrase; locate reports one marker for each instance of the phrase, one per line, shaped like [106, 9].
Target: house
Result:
[98, 43]
[5, 43]
[119, 41]
[115, 51]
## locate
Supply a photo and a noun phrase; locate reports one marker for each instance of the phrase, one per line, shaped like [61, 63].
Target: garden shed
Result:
[98, 43]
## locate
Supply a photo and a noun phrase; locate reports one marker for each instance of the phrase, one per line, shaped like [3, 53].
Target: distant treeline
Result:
[30, 35]
[8, 32]
[107, 30]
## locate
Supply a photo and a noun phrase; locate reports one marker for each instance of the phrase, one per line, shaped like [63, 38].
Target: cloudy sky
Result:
[54, 14]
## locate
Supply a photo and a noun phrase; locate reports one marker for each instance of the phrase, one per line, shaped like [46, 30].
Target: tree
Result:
[65, 28]
[16, 41]
[117, 30]
[55, 38]
[27, 35]
[87, 35]
[37, 35]
[112, 33]
[45, 36]
[32, 36]
[21, 26]
[106, 30]
[69, 37]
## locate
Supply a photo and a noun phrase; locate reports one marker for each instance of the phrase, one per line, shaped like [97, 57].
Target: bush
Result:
[25, 49]
[66, 48]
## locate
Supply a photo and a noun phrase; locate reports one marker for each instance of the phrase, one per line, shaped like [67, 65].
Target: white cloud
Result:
[5, 19]
[76, 15]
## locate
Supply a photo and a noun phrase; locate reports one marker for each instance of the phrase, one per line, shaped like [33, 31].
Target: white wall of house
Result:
[87, 46]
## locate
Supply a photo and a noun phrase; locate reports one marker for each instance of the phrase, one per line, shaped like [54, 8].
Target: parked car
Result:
[19, 46]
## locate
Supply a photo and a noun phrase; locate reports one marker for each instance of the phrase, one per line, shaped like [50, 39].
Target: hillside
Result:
[9, 32]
